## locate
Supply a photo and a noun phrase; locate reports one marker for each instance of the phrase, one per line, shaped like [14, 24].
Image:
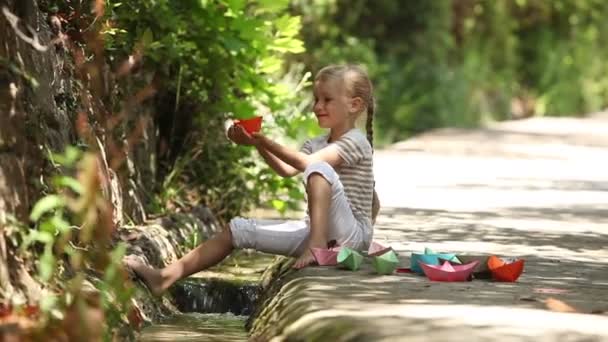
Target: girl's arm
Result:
[285, 161]
[280, 167]
[296, 159]
[238, 135]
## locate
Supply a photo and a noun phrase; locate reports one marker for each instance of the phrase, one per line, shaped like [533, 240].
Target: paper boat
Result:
[326, 257]
[349, 258]
[252, 125]
[451, 257]
[481, 271]
[505, 270]
[385, 263]
[430, 258]
[376, 248]
[449, 272]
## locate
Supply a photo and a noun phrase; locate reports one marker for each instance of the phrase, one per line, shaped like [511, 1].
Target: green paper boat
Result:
[349, 258]
[385, 263]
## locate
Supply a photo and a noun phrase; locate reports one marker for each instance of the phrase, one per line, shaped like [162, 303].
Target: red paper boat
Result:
[252, 125]
[326, 257]
[505, 271]
[376, 249]
[448, 272]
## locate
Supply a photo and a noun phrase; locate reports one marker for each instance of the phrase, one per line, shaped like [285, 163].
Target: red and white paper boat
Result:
[376, 249]
[326, 257]
[449, 272]
[503, 270]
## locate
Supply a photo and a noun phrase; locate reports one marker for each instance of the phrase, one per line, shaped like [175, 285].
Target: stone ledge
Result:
[160, 242]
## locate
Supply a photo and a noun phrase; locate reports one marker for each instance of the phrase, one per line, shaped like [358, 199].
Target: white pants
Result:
[291, 237]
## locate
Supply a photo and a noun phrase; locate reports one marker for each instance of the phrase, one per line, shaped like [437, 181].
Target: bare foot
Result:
[150, 276]
[304, 260]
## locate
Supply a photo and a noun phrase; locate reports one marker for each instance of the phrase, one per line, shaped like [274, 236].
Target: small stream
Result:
[197, 327]
[215, 296]
[215, 304]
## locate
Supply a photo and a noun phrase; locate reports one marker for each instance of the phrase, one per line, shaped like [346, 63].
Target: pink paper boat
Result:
[449, 272]
[376, 249]
[326, 257]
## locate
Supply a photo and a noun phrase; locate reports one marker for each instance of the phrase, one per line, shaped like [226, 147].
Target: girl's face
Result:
[331, 104]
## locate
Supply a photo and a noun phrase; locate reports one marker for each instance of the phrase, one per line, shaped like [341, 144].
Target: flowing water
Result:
[214, 303]
[197, 327]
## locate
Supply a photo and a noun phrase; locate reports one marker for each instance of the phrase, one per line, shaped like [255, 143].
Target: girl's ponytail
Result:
[369, 128]
[369, 124]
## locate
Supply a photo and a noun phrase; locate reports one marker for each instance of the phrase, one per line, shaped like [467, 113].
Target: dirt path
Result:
[536, 189]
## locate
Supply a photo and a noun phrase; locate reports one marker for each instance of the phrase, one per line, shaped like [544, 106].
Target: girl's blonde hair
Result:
[357, 84]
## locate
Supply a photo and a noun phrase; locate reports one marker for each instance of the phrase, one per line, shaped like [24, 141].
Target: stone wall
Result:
[41, 93]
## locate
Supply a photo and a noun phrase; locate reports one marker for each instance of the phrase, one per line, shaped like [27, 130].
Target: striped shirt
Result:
[356, 172]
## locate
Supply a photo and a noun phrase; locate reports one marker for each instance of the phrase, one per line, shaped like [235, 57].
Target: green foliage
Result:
[461, 63]
[221, 60]
[68, 221]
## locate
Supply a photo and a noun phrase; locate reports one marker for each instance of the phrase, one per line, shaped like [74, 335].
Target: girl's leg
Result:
[204, 256]
[319, 194]
[331, 216]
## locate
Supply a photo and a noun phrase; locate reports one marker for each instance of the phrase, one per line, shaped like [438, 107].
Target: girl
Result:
[337, 167]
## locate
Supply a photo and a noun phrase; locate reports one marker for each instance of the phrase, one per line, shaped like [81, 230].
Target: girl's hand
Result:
[239, 136]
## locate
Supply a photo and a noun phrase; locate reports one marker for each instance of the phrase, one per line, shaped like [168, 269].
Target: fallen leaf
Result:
[135, 319]
[558, 305]
[31, 311]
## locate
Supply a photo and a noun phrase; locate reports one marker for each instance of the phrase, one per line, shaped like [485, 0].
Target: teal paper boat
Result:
[430, 258]
[350, 258]
[385, 263]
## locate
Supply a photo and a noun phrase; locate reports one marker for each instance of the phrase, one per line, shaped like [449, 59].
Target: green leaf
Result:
[67, 158]
[48, 227]
[236, 5]
[272, 6]
[60, 223]
[68, 182]
[270, 64]
[46, 204]
[279, 205]
[288, 26]
[47, 263]
[118, 252]
[243, 110]
[234, 44]
[42, 236]
[48, 303]
[147, 37]
[287, 45]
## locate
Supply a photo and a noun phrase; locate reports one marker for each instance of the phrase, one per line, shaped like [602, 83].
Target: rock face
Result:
[45, 100]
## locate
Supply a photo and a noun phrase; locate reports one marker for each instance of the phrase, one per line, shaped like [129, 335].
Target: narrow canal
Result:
[214, 304]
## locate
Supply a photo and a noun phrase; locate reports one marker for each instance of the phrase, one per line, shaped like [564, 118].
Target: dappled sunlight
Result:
[241, 265]
[535, 204]
[437, 321]
[519, 232]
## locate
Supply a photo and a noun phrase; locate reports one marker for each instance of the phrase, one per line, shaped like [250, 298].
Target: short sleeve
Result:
[306, 147]
[352, 148]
